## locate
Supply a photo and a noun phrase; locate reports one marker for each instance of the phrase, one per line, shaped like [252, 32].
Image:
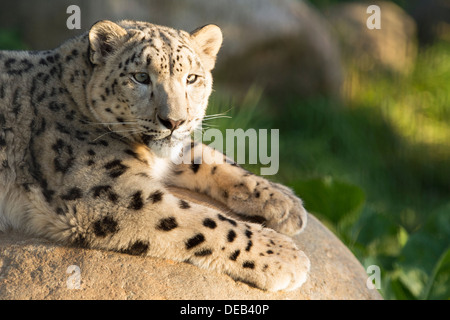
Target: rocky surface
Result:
[33, 268]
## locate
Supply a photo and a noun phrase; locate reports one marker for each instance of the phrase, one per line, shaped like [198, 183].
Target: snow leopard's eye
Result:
[142, 78]
[192, 78]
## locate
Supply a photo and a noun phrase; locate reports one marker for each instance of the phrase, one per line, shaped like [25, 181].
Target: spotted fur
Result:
[87, 134]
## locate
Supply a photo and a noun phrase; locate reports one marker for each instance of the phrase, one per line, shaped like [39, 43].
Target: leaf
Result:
[374, 226]
[424, 262]
[333, 199]
[438, 286]
[413, 279]
[399, 291]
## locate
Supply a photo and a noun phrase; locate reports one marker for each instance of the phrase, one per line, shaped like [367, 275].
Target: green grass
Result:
[373, 167]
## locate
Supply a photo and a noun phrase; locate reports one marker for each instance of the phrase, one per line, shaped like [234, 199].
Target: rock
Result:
[279, 44]
[33, 268]
[393, 47]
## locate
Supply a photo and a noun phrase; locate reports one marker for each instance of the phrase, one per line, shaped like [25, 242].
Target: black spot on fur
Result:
[132, 153]
[156, 196]
[16, 106]
[195, 167]
[146, 138]
[55, 106]
[225, 194]
[249, 245]
[42, 96]
[103, 143]
[248, 233]
[73, 194]
[81, 242]
[234, 255]
[105, 191]
[48, 193]
[143, 174]
[139, 248]
[195, 241]
[62, 128]
[40, 128]
[203, 253]
[116, 168]
[135, 155]
[65, 156]
[167, 224]
[209, 223]
[184, 205]
[21, 66]
[231, 236]
[70, 115]
[249, 265]
[231, 221]
[137, 203]
[105, 227]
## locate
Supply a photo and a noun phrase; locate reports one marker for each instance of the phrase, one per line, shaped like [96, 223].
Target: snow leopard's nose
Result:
[171, 124]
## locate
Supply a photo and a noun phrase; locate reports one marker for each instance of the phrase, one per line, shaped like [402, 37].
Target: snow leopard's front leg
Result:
[153, 222]
[240, 190]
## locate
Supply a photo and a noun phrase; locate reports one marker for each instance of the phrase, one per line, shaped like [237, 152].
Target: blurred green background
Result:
[373, 164]
[372, 161]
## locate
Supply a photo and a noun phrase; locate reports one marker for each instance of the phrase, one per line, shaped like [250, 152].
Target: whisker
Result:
[133, 131]
[218, 115]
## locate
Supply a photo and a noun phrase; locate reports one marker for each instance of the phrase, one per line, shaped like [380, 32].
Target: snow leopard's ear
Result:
[104, 37]
[209, 40]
